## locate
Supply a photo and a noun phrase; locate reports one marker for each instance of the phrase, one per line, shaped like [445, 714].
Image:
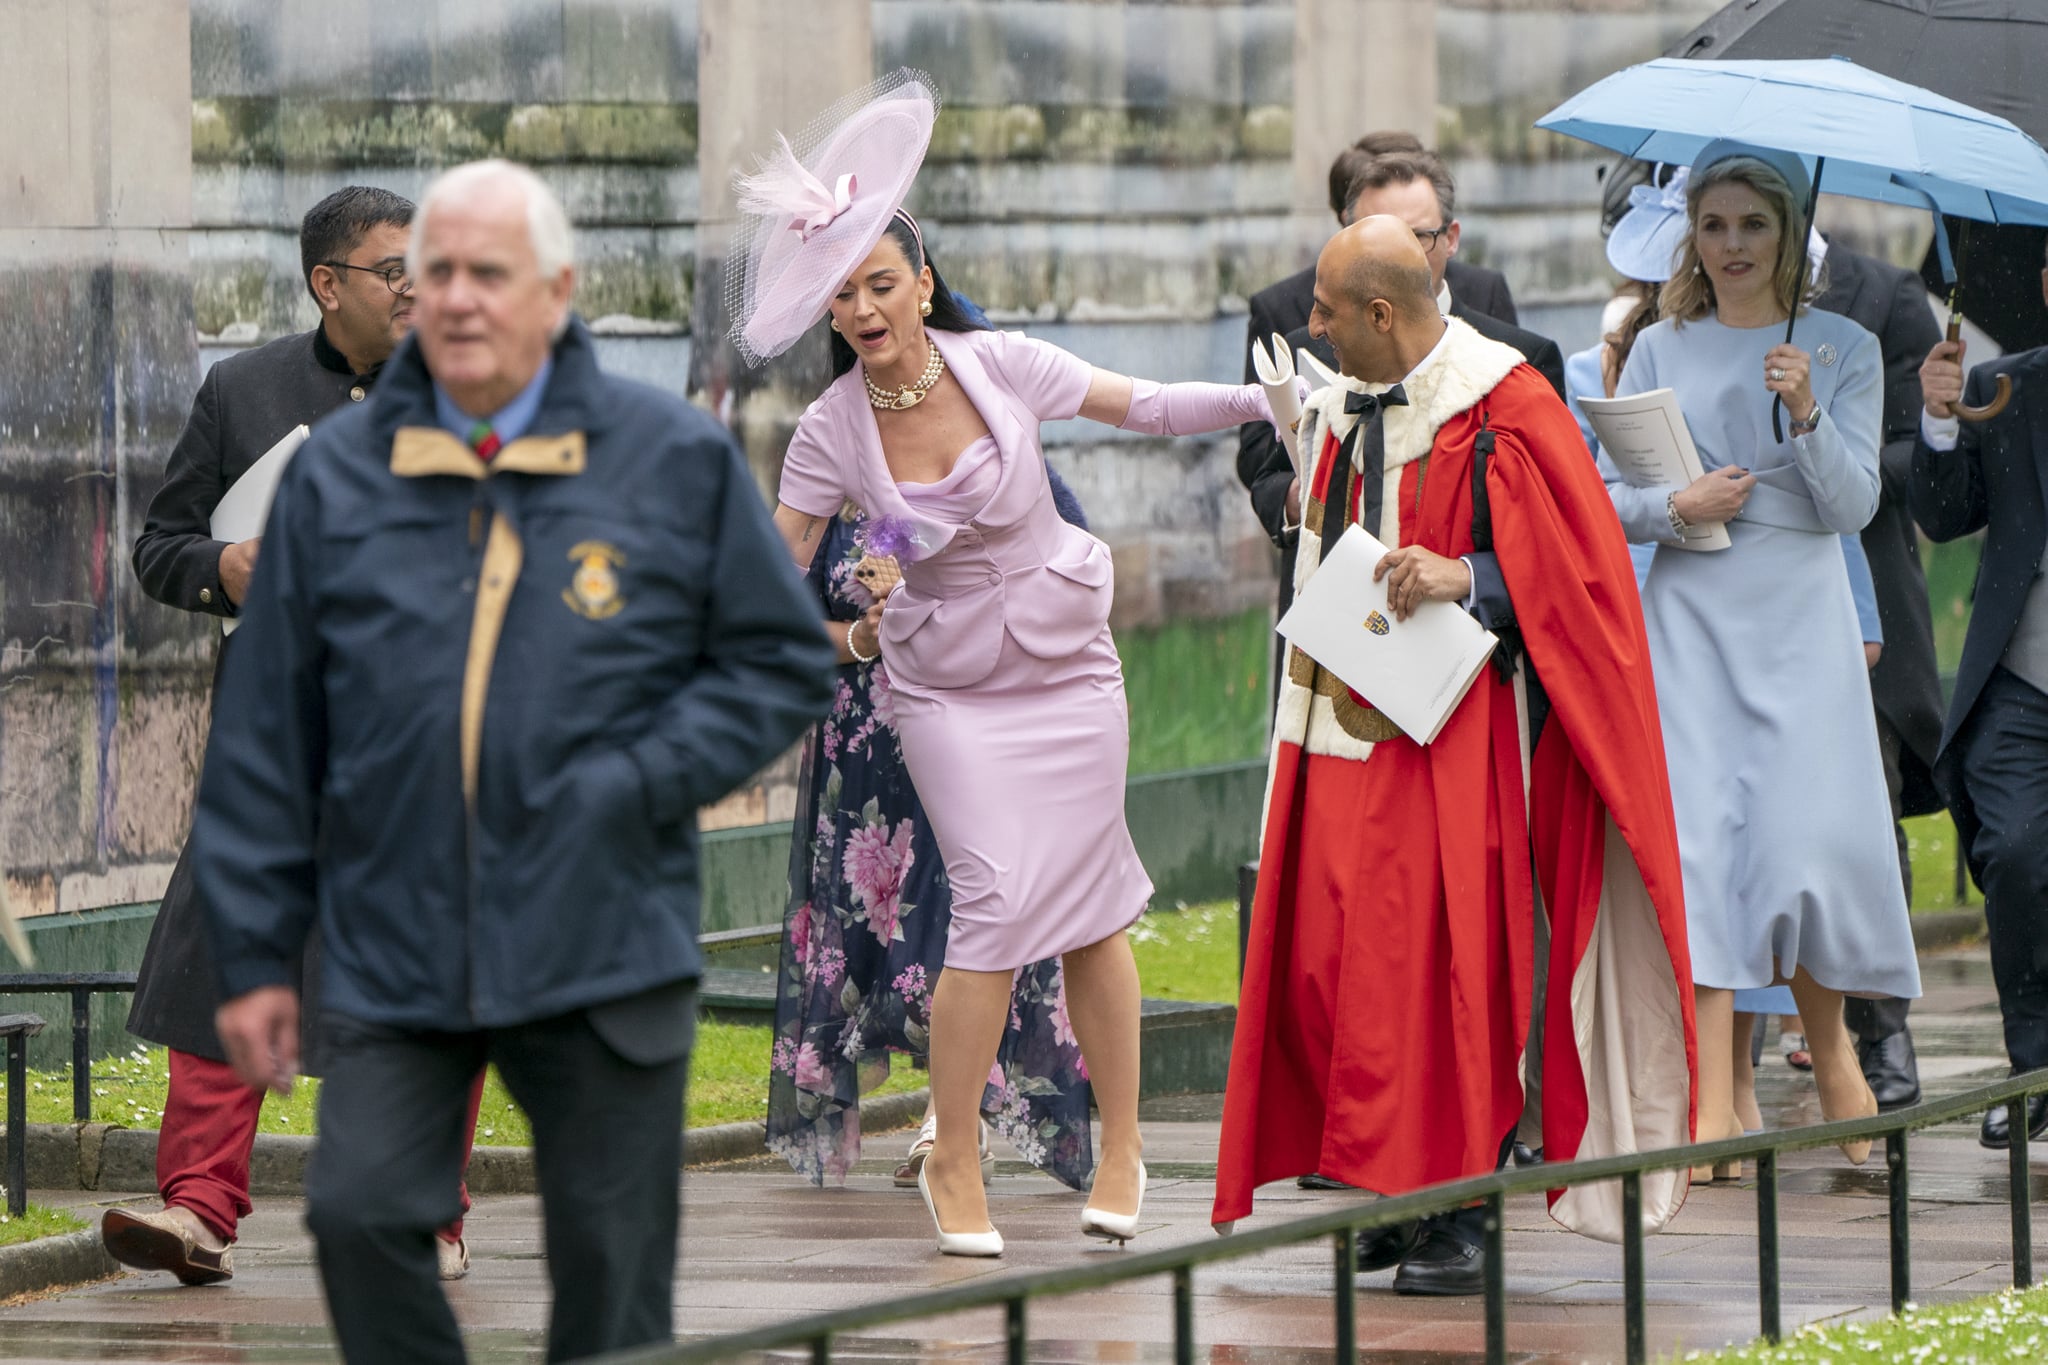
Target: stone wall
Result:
[1117, 175]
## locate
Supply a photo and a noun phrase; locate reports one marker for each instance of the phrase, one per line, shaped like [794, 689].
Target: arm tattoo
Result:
[810, 529]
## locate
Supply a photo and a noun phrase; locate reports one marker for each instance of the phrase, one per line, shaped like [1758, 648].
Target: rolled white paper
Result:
[1275, 369]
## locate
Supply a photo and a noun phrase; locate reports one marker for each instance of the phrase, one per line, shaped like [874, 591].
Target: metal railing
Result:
[17, 1029]
[81, 987]
[1342, 1226]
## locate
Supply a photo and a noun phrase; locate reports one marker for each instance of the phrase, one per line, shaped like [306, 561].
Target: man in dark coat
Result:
[1416, 187]
[1993, 764]
[1891, 304]
[352, 253]
[518, 620]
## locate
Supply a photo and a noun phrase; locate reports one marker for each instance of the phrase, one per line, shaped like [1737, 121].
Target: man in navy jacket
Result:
[1993, 762]
[516, 620]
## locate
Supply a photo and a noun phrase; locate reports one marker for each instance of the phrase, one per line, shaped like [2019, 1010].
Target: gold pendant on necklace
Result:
[910, 395]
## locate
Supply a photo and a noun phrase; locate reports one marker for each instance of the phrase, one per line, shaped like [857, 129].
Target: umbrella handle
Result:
[1999, 400]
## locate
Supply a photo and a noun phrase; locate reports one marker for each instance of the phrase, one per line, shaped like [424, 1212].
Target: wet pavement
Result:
[761, 1247]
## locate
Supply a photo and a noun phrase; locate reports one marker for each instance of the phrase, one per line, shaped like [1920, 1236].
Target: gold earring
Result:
[924, 310]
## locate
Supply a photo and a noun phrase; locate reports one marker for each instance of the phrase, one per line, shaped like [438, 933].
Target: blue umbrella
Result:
[1881, 139]
[1872, 136]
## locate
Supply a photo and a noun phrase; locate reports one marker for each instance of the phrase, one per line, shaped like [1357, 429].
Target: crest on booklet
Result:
[1376, 623]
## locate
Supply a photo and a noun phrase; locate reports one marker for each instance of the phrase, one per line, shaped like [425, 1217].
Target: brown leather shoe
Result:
[161, 1241]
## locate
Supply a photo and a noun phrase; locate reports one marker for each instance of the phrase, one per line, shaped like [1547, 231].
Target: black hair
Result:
[336, 225]
[947, 314]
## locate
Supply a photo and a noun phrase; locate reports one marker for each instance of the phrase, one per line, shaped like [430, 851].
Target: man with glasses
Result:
[352, 251]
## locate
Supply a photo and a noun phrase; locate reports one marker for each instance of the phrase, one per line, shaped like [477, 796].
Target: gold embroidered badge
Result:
[1376, 623]
[593, 589]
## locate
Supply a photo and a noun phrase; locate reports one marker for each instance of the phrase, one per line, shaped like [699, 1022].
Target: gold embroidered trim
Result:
[1356, 720]
[1312, 516]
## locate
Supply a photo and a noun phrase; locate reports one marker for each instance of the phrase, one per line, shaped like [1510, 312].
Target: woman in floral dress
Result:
[865, 937]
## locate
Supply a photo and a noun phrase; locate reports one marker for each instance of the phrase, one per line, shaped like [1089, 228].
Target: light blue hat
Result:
[1644, 244]
[1787, 164]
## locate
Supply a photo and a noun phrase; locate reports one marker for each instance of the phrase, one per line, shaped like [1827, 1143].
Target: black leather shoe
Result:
[1442, 1263]
[1525, 1155]
[1319, 1182]
[1997, 1130]
[1892, 1070]
[1385, 1247]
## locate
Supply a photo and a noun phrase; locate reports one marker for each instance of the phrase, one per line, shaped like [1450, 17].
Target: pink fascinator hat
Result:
[812, 212]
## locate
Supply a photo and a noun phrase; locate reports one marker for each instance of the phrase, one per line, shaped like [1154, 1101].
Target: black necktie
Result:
[1364, 450]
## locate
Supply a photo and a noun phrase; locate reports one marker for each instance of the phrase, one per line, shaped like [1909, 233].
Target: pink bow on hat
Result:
[783, 186]
[827, 205]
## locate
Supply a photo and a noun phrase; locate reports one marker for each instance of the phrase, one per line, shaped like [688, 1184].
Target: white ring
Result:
[1777, 373]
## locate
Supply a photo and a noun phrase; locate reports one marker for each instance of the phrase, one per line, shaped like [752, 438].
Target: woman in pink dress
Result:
[1008, 692]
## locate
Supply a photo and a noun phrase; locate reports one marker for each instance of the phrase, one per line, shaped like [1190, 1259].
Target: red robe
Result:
[1387, 984]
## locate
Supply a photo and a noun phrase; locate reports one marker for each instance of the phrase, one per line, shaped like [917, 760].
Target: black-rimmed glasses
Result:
[395, 277]
[1429, 236]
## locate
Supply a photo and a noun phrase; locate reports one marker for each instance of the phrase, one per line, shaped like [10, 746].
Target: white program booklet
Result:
[1646, 437]
[1415, 671]
[244, 508]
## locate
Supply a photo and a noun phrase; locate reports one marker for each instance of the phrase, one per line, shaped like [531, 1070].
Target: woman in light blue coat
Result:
[1791, 876]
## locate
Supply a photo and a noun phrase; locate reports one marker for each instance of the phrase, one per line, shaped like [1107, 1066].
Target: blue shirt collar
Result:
[510, 422]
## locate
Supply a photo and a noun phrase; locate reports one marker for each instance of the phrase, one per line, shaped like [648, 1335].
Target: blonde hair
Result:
[1688, 295]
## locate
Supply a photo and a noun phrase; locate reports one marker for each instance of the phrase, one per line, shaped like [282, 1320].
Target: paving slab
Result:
[760, 1247]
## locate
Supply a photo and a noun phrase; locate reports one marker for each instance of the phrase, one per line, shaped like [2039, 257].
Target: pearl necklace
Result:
[911, 394]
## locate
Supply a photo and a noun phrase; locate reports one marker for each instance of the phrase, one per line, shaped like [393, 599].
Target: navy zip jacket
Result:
[473, 709]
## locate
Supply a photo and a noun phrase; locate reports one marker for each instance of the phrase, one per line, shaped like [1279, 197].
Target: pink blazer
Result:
[1015, 567]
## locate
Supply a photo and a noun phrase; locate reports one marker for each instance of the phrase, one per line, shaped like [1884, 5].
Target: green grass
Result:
[1931, 845]
[1188, 954]
[728, 1084]
[1198, 690]
[2008, 1326]
[1951, 578]
[37, 1222]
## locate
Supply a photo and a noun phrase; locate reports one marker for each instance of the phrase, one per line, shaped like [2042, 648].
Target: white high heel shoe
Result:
[921, 1147]
[988, 1243]
[1115, 1227]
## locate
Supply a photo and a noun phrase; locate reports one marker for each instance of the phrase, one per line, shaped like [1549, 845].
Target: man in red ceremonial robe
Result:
[1385, 1013]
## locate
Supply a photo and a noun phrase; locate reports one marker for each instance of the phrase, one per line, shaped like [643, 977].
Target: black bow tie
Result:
[1367, 405]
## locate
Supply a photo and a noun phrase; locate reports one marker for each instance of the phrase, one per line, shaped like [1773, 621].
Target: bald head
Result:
[1375, 299]
[1379, 258]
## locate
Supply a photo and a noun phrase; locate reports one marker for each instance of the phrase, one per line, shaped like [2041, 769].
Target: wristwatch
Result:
[1811, 424]
[1679, 525]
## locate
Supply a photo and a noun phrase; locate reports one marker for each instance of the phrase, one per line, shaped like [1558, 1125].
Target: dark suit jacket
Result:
[1892, 304]
[1996, 477]
[246, 404]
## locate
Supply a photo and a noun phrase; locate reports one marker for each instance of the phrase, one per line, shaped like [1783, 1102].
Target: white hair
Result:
[547, 225]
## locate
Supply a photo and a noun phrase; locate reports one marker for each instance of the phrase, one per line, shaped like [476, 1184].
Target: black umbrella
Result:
[1987, 53]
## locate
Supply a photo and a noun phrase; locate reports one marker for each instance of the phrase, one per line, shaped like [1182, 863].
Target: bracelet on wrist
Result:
[1679, 525]
[854, 649]
[1807, 425]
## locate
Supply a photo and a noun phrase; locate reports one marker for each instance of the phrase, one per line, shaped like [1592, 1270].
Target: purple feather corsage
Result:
[885, 544]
